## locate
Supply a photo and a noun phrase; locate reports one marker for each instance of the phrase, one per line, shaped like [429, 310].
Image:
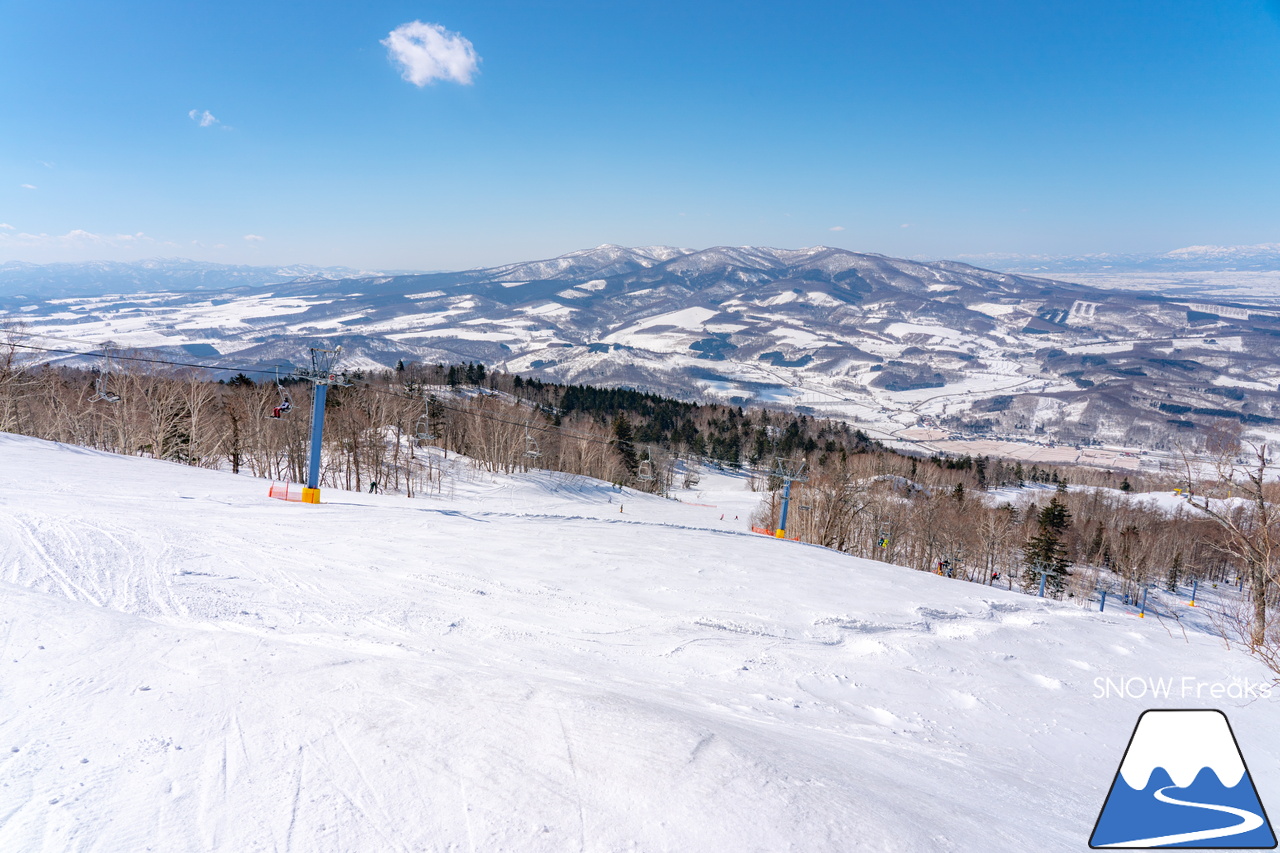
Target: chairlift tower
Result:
[322, 373]
[791, 472]
[1044, 572]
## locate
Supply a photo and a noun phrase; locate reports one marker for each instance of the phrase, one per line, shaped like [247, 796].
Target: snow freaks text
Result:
[1184, 687]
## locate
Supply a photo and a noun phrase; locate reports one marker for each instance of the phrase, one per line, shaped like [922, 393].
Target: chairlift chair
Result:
[531, 449]
[645, 473]
[100, 390]
[286, 405]
[422, 432]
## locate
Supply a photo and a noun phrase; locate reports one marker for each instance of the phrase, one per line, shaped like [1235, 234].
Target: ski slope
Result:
[515, 664]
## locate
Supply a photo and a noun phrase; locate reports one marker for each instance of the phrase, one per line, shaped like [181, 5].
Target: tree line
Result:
[859, 498]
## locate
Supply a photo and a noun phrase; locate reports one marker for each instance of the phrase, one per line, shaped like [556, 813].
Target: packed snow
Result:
[538, 662]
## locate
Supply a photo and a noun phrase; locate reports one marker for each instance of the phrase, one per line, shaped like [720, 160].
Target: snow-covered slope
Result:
[533, 663]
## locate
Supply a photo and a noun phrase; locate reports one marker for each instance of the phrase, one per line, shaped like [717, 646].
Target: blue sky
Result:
[917, 128]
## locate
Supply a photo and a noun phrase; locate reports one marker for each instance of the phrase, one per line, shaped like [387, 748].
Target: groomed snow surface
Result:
[187, 665]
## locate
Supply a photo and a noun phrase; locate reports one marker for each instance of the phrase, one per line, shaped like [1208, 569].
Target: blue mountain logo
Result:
[1183, 783]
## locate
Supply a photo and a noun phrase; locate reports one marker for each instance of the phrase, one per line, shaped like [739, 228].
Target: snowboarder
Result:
[281, 410]
[373, 487]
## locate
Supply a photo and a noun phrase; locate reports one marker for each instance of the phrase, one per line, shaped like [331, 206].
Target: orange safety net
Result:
[285, 491]
[772, 533]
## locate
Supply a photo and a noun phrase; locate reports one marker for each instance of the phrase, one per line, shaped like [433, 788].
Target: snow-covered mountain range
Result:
[159, 274]
[889, 343]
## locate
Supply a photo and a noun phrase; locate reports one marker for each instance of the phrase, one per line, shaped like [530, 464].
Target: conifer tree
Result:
[1175, 573]
[1046, 551]
[624, 441]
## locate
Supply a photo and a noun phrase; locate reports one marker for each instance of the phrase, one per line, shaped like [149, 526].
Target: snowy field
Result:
[1041, 454]
[1247, 285]
[516, 664]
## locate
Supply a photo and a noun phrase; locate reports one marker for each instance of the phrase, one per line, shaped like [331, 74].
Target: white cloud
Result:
[836, 228]
[204, 118]
[28, 186]
[429, 52]
[74, 238]
[905, 225]
[254, 238]
[5, 226]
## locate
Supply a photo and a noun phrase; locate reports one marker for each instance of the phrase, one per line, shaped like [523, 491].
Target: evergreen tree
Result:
[1098, 545]
[1175, 573]
[1046, 550]
[624, 442]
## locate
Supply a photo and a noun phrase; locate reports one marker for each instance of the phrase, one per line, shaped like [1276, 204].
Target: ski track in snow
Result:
[189, 666]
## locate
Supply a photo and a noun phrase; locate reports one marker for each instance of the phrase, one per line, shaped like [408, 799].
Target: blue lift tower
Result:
[790, 471]
[322, 374]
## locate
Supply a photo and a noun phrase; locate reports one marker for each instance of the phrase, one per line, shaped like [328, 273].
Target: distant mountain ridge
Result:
[148, 276]
[1262, 257]
[886, 342]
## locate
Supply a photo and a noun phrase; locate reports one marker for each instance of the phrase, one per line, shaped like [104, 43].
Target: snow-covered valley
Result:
[538, 662]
